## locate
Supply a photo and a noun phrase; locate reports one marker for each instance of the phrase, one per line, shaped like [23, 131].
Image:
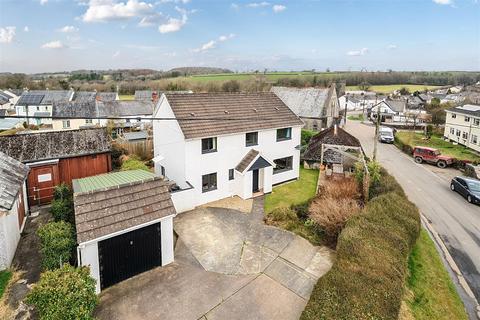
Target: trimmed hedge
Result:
[62, 204]
[367, 278]
[65, 293]
[57, 242]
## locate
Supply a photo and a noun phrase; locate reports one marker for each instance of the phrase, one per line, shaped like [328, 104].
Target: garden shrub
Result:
[340, 189]
[301, 209]
[57, 242]
[306, 135]
[367, 278]
[133, 163]
[66, 293]
[62, 204]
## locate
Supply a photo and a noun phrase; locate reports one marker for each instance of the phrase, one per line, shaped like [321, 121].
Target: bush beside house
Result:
[65, 293]
[367, 278]
[57, 242]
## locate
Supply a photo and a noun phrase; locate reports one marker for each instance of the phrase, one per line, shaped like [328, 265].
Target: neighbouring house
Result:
[12, 206]
[58, 156]
[318, 108]
[9, 123]
[396, 111]
[38, 104]
[225, 144]
[462, 125]
[124, 114]
[8, 99]
[351, 102]
[335, 148]
[124, 223]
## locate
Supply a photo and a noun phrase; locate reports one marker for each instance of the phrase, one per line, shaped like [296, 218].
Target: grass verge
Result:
[431, 293]
[413, 139]
[358, 117]
[5, 276]
[293, 193]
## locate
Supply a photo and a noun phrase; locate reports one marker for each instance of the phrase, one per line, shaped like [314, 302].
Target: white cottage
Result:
[221, 145]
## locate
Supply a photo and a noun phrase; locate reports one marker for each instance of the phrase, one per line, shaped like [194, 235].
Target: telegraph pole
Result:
[346, 103]
[377, 127]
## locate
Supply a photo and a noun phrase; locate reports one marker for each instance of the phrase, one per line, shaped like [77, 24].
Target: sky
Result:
[57, 35]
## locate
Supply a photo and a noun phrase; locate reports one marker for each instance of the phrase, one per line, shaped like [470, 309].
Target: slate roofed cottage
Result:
[317, 107]
[12, 206]
[58, 156]
[224, 144]
[124, 223]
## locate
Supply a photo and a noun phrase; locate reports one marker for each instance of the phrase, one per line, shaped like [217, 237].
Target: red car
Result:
[431, 155]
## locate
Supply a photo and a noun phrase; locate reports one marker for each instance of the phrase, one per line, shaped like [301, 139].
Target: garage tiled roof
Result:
[247, 160]
[138, 197]
[12, 175]
[38, 146]
[211, 114]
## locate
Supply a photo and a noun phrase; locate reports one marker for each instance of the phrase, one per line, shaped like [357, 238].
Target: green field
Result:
[431, 293]
[126, 97]
[447, 148]
[390, 88]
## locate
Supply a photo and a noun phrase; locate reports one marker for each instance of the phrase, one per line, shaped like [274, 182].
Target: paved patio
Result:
[228, 265]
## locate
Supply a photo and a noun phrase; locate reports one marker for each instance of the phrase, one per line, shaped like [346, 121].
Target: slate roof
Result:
[9, 123]
[38, 146]
[247, 160]
[328, 136]
[49, 97]
[467, 109]
[134, 200]
[75, 109]
[124, 108]
[12, 175]
[84, 96]
[3, 112]
[106, 96]
[305, 102]
[5, 95]
[135, 135]
[396, 105]
[229, 113]
[143, 95]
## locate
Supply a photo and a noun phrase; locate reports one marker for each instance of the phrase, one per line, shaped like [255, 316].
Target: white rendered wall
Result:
[9, 235]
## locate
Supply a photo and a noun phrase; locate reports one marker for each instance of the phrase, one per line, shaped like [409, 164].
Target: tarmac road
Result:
[453, 218]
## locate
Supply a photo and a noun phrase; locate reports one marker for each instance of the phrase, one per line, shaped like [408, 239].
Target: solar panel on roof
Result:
[30, 99]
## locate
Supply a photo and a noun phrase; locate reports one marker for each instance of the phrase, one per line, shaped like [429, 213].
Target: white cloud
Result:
[174, 24]
[278, 8]
[43, 2]
[443, 2]
[53, 45]
[7, 34]
[392, 47]
[360, 52]
[212, 43]
[26, 29]
[174, 1]
[107, 10]
[68, 29]
[258, 4]
[116, 54]
[151, 20]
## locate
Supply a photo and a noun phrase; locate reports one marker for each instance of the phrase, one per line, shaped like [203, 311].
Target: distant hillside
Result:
[190, 71]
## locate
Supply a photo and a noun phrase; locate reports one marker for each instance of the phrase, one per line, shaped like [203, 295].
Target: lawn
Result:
[431, 293]
[126, 97]
[5, 276]
[390, 88]
[357, 117]
[295, 192]
[447, 148]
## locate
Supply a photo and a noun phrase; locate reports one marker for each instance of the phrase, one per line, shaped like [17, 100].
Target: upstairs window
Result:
[231, 174]
[283, 164]
[209, 145]
[476, 122]
[454, 115]
[66, 124]
[467, 119]
[251, 139]
[284, 134]
[88, 121]
[209, 182]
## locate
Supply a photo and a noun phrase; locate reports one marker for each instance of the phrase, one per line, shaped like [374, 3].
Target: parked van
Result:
[385, 134]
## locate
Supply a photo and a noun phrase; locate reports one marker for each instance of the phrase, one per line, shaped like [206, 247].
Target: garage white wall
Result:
[9, 235]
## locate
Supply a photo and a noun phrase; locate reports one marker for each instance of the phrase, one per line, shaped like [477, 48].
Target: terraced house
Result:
[462, 125]
[221, 145]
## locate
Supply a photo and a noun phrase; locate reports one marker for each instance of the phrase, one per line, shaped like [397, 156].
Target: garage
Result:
[124, 223]
[129, 254]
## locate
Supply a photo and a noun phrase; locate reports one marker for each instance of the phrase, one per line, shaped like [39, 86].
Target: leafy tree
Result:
[404, 91]
[365, 86]
[231, 86]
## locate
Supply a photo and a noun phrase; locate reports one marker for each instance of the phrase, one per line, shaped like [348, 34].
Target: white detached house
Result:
[222, 144]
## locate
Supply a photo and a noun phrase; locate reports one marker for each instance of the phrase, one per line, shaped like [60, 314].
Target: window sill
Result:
[283, 170]
[283, 139]
[209, 151]
[208, 190]
[251, 144]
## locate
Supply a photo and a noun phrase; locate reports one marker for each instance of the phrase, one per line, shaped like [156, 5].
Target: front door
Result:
[255, 181]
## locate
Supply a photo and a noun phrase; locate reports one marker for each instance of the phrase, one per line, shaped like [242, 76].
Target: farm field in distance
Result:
[392, 87]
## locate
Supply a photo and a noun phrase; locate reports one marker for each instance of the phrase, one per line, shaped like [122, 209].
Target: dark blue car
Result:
[469, 188]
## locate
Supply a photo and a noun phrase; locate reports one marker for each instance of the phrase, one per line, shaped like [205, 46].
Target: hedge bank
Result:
[367, 278]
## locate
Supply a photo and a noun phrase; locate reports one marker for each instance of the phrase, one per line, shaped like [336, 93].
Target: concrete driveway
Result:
[228, 265]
